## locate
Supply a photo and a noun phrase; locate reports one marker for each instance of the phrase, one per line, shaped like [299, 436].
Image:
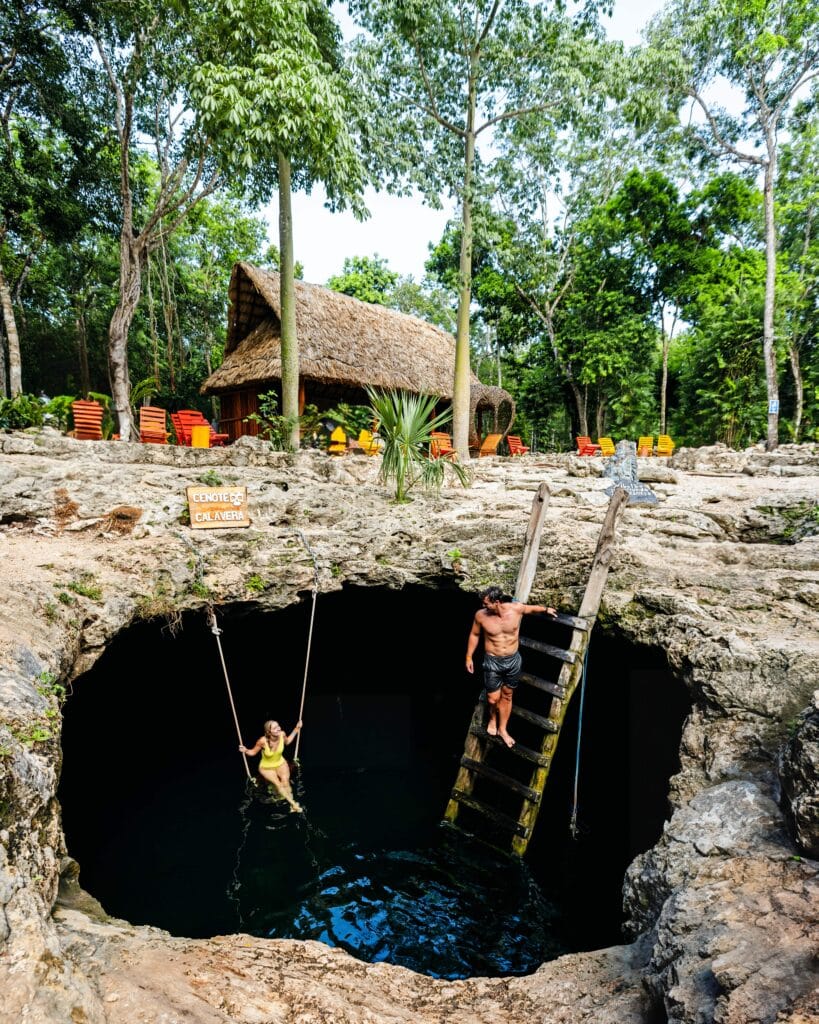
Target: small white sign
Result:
[773, 407]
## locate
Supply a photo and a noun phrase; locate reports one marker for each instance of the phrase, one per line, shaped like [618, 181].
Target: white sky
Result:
[399, 230]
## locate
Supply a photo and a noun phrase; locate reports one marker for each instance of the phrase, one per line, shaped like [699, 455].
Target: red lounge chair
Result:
[152, 425]
[87, 420]
[187, 418]
[516, 446]
[585, 446]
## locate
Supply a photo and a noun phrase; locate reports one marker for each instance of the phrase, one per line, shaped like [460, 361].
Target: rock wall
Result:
[723, 575]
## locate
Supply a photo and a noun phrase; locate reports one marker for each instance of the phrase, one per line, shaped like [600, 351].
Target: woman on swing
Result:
[273, 767]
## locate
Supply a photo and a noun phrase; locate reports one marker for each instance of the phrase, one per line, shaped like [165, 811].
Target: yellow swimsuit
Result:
[273, 758]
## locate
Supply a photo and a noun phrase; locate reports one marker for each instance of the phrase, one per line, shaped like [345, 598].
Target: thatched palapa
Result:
[344, 346]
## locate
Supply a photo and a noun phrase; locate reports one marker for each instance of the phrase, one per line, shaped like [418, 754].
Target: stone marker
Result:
[622, 469]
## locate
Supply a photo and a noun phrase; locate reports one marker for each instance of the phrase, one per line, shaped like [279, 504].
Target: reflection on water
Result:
[449, 908]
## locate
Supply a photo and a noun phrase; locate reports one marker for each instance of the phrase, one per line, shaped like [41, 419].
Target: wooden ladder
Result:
[480, 747]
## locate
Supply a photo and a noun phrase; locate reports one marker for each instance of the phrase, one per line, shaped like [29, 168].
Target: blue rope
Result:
[573, 820]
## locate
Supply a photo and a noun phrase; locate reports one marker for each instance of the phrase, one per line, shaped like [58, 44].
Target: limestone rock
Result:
[722, 577]
[799, 775]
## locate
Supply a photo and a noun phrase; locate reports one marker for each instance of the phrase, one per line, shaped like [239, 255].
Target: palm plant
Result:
[405, 424]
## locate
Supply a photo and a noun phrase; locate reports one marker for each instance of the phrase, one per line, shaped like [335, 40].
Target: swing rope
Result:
[310, 551]
[573, 820]
[217, 633]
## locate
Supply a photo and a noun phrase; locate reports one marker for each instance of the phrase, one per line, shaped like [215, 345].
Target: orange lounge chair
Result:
[585, 446]
[645, 446]
[489, 445]
[440, 446]
[516, 446]
[87, 420]
[665, 446]
[152, 425]
[606, 446]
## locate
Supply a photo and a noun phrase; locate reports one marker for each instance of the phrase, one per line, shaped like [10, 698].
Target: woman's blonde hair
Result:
[268, 731]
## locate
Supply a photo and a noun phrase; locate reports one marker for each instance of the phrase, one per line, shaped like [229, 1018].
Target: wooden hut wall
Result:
[236, 406]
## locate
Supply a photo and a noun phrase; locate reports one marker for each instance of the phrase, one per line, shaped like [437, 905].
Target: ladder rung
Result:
[542, 684]
[479, 768]
[555, 652]
[489, 812]
[546, 724]
[535, 756]
[567, 620]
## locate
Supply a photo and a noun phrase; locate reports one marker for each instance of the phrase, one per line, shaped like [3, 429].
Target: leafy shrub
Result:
[21, 412]
[58, 410]
[405, 426]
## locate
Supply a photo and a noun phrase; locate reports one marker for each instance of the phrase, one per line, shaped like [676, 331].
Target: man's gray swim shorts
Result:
[503, 671]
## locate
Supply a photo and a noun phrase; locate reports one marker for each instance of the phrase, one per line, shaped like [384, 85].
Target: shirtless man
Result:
[499, 620]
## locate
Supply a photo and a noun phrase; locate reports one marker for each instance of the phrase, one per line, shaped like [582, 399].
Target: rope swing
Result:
[310, 551]
[217, 633]
[573, 821]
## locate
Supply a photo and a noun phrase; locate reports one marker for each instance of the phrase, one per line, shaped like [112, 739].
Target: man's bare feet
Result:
[492, 727]
[507, 739]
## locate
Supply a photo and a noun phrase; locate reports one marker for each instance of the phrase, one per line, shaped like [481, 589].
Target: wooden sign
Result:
[218, 508]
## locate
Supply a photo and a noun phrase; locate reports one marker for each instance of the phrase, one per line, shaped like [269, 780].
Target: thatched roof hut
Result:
[344, 345]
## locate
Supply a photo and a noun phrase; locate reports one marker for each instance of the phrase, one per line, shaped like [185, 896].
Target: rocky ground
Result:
[722, 574]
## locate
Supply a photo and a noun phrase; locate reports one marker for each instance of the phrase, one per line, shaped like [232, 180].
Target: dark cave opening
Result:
[157, 811]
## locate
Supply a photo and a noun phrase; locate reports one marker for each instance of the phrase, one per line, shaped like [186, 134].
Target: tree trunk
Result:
[461, 384]
[15, 381]
[580, 402]
[82, 350]
[768, 341]
[664, 382]
[132, 258]
[4, 390]
[601, 413]
[287, 282]
[796, 369]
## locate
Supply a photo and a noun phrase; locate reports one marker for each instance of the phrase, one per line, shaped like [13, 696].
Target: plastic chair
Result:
[665, 446]
[645, 446]
[606, 446]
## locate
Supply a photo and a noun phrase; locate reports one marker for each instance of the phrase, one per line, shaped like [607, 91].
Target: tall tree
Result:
[49, 165]
[445, 75]
[278, 87]
[769, 51]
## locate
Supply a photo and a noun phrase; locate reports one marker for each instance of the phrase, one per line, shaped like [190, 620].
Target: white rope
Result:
[303, 539]
[217, 632]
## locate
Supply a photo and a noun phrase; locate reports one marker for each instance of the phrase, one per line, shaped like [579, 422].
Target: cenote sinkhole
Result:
[158, 812]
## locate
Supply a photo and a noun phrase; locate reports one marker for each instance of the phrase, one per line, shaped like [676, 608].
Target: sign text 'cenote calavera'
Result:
[222, 507]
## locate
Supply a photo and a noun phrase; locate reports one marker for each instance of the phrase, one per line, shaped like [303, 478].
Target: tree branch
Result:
[428, 86]
[519, 112]
[726, 146]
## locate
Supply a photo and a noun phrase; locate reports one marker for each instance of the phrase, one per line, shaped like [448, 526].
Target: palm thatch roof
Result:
[341, 341]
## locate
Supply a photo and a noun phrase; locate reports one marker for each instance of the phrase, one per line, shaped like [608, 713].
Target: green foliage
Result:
[57, 412]
[21, 412]
[273, 427]
[255, 584]
[405, 424]
[366, 278]
[86, 587]
[351, 418]
[210, 478]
